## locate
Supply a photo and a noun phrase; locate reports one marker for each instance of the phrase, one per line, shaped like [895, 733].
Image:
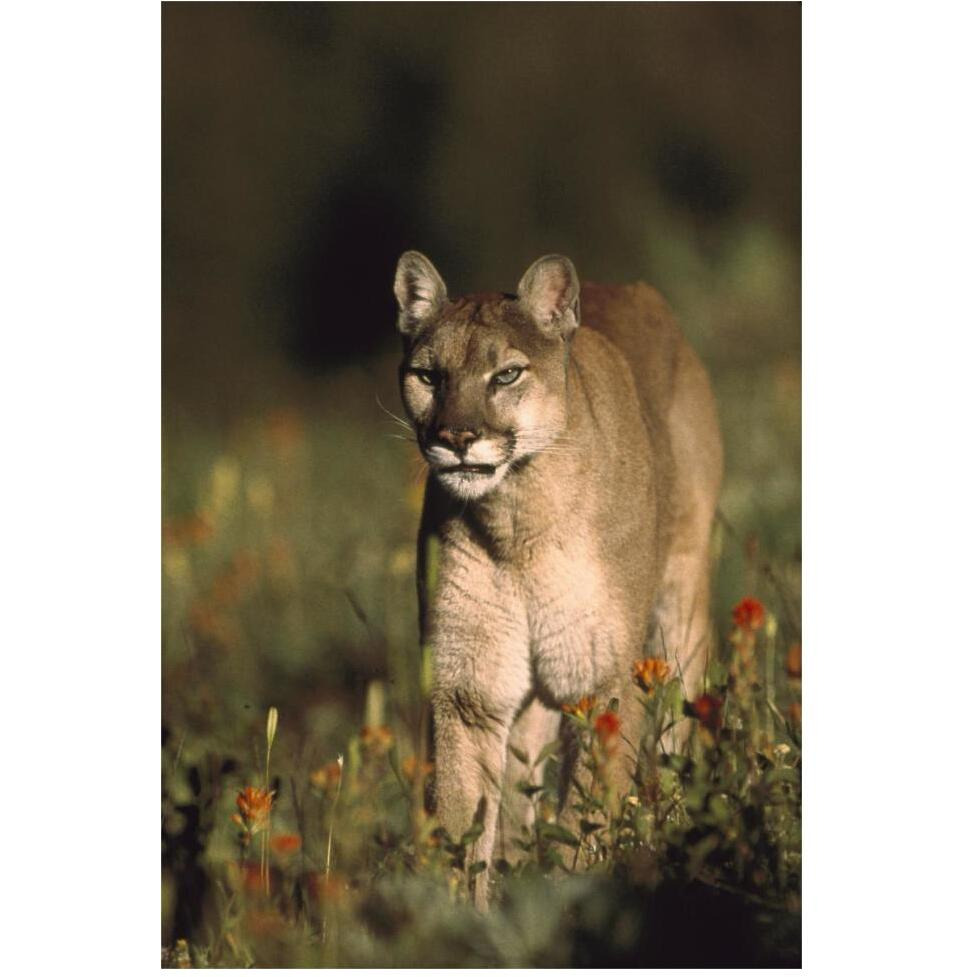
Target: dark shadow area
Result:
[695, 175]
[681, 925]
[337, 281]
[340, 306]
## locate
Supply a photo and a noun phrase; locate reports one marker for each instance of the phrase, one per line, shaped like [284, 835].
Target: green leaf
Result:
[695, 797]
[781, 775]
[701, 851]
[650, 706]
[551, 749]
[528, 789]
[586, 797]
[716, 675]
[682, 765]
[553, 859]
[520, 755]
[475, 868]
[674, 697]
[586, 827]
[556, 832]
[472, 834]
[719, 808]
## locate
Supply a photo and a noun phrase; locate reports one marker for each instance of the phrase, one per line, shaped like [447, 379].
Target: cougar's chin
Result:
[470, 481]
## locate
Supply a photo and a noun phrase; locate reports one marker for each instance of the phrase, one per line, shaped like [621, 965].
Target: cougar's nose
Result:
[459, 440]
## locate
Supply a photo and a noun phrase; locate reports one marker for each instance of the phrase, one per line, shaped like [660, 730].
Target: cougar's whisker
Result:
[402, 421]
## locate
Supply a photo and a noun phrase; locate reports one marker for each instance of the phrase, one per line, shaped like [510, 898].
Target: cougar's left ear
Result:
[550, 293]
[419, 290]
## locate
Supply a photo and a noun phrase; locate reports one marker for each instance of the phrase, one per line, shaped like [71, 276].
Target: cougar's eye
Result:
[504, 377]
[428, 377]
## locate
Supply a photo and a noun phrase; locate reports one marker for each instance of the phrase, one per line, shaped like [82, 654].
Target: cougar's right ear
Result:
[419, 290]
[550, 293]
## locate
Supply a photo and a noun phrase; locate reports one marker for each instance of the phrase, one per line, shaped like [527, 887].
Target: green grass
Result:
[288, 566]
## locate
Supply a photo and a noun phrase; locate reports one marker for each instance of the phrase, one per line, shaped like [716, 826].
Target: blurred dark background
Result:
[304, 147]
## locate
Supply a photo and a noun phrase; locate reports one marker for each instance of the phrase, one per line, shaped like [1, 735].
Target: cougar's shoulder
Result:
[672, 388]
[638, 321]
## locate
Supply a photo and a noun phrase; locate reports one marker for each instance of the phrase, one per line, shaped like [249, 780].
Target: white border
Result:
[888, 330]
[889, 321]
[80, 396]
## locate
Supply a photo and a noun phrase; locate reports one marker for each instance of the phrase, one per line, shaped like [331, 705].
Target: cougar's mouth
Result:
[469, 480]
[468, 469]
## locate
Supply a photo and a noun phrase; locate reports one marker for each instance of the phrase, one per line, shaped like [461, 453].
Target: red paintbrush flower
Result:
[377, 739]
[708, 710]
[255, 807]
[607, 726]
[794, 661]
[285, 844]
[748, 614]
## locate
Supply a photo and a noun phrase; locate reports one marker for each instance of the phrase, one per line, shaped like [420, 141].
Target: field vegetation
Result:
[295, 770]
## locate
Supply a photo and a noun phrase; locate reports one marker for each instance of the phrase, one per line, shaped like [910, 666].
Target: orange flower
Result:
[708, 710]
[413, 769]
[581, 709]
[283, 429]
[327, 776]
[649, 674]
[247, 875]
[255, 807]
[187, 530]
[607, 726]
[377, 739]
[322, 890]
[237, 579]
[794, 661]
[748, 614]
[285, 844]
[213, 624]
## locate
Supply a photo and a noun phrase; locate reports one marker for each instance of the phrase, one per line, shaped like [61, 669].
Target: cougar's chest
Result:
[571, 622]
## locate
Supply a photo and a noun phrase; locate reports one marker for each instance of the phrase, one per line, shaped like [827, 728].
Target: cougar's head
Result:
[483, 377]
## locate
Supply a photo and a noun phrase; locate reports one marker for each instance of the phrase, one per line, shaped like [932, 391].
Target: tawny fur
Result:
[583, 544]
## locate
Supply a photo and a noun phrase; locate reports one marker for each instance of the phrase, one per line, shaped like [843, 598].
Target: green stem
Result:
[332, 822]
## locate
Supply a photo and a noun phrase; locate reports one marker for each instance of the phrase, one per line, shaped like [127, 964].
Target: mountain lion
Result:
[575, 463]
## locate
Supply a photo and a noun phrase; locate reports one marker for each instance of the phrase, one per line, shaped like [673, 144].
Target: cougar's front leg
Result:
[534, 728]
[481, 677]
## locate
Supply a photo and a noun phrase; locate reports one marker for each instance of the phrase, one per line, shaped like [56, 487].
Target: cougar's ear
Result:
[419, 290]
[550, 293]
